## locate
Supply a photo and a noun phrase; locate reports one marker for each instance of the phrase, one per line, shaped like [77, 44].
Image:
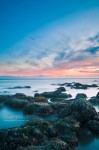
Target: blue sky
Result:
[42, 37]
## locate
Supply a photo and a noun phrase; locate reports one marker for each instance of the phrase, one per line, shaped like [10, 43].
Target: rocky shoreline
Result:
[59, 134]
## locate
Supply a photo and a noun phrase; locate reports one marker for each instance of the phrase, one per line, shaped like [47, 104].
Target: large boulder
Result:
[61, 89]
[41, 109]
[94, 100]
[81, 95]
[66, 129]
[97, 96]
[16, 103]
[80, 109]
[58, 106]
[54, 94]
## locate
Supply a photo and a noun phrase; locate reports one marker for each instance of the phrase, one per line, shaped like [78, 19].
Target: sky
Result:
[54, 38]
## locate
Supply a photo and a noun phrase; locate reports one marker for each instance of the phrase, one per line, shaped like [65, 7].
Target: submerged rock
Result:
[20, 87]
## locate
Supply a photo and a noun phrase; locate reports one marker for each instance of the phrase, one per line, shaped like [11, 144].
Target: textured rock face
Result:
[42, 109]
[35, 133]
[81, 95]
[66, 129]
[40, 99]
[97, 96]
[60, 134]
[80, 109]
[55, 144]
[95, 99]
[61, 89]
[54, 94]
[93, 125]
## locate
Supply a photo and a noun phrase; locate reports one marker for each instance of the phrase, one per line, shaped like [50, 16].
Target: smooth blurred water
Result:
[88, 141]
[44, 84]
[11, 117]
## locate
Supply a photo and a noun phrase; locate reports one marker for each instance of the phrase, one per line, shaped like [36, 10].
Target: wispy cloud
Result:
[55, 51]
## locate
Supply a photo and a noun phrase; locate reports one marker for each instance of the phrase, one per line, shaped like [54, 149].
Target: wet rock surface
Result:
[61, 134]
[77, 85]
[94, 99]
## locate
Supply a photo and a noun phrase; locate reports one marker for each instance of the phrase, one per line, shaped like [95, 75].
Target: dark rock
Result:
[40, 99]
[61, 89]
[81, 95]
[20, 87]
[57, 94]
[79, 86]
[66, 129]
[56, 144]
[96, 118]
[93, 125]
[41, 109]
[80, 109]
[58, 106]
[16, 103]
[93, 85]
[94, 100]
[32, 133]
[19, 95]
[97, 96]
[35, 91]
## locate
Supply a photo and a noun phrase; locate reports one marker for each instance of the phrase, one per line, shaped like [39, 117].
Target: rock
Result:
[66, 129]
[93, 125]
[69, 84]
[16, 103]
[61, 89]
[40, 99]
[97, 96]
[96, 118]
[79, 109]
[35, 91]
[20, 87]
[32, 133]
[94, 100]
[56, 144]
[79, 86]
[19, 95]
[57, 106]
[57, 94]
[32, 147]
[41, 109]
[81, 95]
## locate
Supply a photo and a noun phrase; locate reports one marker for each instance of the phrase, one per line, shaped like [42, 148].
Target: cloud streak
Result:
[54, 51]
